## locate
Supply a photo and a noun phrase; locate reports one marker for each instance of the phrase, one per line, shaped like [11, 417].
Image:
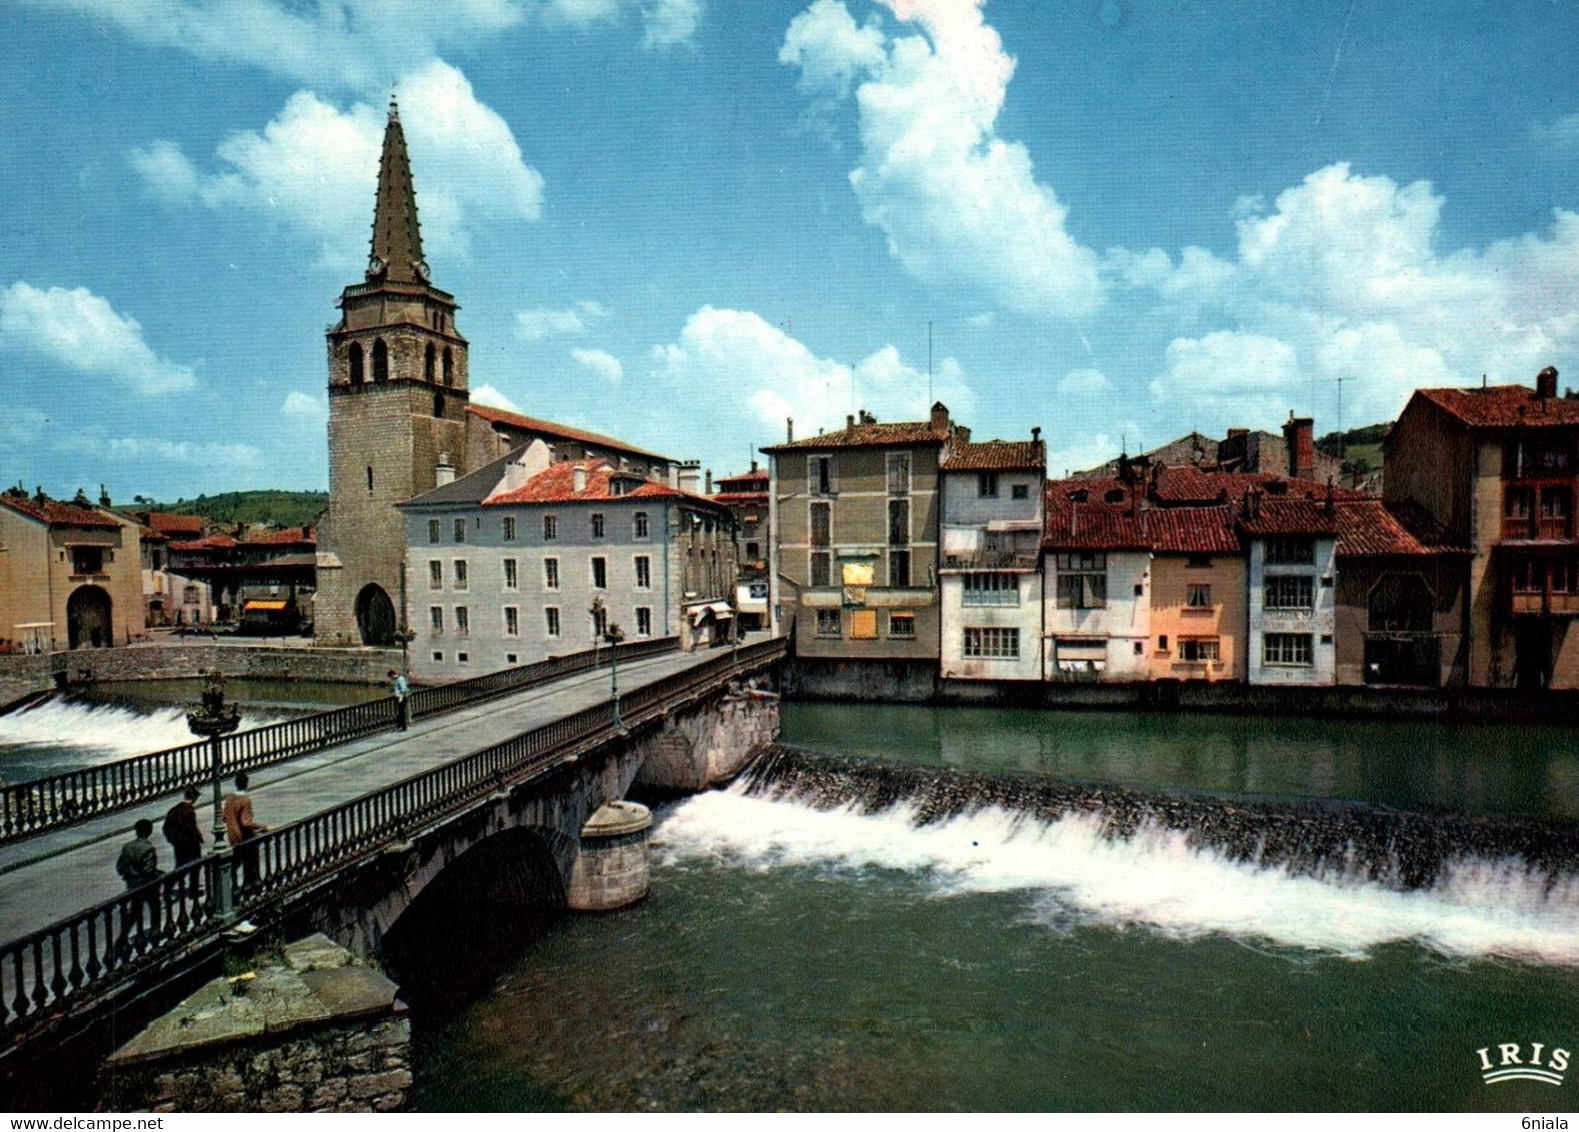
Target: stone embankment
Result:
[174, 660]
[316, 1031]
[1309, 838]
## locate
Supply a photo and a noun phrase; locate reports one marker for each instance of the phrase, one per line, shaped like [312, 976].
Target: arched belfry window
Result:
[380, 361]
[356, 363]
[449, 367]
[428, 363]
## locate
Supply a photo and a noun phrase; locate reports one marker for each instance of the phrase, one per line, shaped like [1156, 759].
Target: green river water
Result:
[794, 958]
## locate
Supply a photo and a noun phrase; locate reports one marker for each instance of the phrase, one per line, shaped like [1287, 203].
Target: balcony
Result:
[991, 560]
[1543, 604]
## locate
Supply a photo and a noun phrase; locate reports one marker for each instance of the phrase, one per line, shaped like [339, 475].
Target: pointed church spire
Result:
[397, 237]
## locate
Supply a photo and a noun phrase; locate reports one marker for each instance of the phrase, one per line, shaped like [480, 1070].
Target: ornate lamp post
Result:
[213, 719]
[604, 630]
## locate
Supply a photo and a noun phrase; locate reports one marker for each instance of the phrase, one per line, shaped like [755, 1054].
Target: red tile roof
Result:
[287, 536]
[1193, 530]
[1080, 517]
[760, 475]
[996, 456]
[167, 524]
[516, 420]
[870, 435]
[59, 514]
[1502, 406]
[1270, 515]
[211, 542]
[1367, 527]
[556, 484]
[741, 497]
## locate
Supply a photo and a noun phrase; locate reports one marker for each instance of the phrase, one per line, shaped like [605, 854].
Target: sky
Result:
[683, 221]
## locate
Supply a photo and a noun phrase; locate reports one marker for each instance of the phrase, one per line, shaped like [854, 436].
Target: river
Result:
[797, 956]
[942, 935]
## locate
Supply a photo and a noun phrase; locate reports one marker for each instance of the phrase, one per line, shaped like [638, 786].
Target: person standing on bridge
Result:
[138, 866]
[401, 690]
[240, 829]
[182, 832]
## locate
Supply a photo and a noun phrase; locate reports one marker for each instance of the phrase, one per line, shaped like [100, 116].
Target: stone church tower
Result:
[397, 409]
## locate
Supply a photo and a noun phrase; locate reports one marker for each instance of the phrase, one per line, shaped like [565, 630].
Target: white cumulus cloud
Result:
[79, 331]
[1084, 383]
[314, 167]
[545, 322]
[733, 357]
[1344, 277]
[490, 396]
[304, 407]
[957, 202]
[599, 362]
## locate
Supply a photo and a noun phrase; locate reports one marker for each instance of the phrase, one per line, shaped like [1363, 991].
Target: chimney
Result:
[753, 467]
[940, 421]
[789, 430]
[104, 496]
[1036, 434]
[444, 471]
[849, 420]
[578, 478]
[1234, 432]
[709, 488]
[1299, 439]
[690, 477]
[1546, 383]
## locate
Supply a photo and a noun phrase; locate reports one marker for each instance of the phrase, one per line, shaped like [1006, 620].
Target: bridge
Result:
[364, 819]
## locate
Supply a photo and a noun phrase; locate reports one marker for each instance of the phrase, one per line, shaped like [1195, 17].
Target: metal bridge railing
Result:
[30, 808]
[51, 970]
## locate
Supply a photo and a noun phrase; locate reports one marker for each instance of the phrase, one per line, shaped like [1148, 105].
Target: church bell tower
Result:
[397, 404]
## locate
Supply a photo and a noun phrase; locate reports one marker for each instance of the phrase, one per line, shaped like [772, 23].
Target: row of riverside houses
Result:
[529, 557]
[906, 553]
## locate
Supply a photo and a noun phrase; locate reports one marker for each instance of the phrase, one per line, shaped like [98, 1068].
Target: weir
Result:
[1328, 840]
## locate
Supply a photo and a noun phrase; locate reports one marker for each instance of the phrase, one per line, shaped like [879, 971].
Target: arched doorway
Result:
[89, 618]
[375, 616]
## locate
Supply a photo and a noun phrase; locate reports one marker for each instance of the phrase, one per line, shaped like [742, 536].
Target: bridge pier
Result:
[697, 750]
[611, 870]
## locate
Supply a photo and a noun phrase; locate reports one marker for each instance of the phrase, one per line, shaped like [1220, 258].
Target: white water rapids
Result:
[1153, 880]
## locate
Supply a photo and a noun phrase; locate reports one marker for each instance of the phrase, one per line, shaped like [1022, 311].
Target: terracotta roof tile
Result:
[59, 514]
[996, 456]
[739, 497]
[176, 525]
[211, 542]
[873, 435]
[290, 535]
[1369, 527]
[1193, 530]
[556, 484]
[1501, 406]
[516, 420]
[1274, 516]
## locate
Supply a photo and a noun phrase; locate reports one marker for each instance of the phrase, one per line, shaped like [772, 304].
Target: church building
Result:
[401, 422]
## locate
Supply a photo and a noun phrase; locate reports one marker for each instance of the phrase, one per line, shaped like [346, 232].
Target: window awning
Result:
[718, 609]
[263, 607]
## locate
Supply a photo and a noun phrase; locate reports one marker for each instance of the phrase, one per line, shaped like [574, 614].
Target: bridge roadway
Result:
[56, 874]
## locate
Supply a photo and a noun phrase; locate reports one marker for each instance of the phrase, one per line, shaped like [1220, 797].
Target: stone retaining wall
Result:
[171, 661]
[316, 1032]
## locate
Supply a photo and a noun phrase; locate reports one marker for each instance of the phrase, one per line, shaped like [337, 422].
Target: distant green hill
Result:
[1361, 447]
[287, 508]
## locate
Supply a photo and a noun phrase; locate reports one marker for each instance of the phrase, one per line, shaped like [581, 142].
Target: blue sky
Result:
[680, 221]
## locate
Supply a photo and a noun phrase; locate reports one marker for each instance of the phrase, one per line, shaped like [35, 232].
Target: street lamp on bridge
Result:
[609, 631]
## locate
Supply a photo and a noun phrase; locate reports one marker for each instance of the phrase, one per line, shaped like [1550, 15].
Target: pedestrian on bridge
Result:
[241, 830]
[138, 866]
[181, 829]
[401, 690]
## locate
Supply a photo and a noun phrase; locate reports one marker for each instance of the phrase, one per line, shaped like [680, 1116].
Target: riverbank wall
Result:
[21, 675]
[918, 683]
